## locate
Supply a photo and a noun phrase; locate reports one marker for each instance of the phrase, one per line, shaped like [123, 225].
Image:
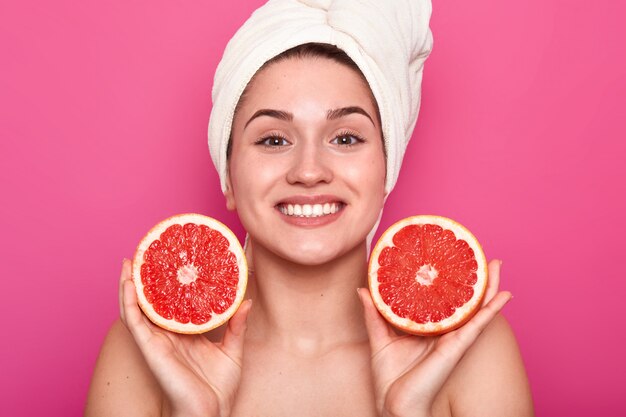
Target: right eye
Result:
[273, 141]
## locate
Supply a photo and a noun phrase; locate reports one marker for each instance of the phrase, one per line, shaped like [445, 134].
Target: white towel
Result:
[389, 41]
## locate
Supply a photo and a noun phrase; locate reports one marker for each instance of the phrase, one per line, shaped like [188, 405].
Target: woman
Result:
[311, 126]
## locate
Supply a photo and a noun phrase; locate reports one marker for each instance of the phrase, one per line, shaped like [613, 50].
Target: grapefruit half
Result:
[427, 275]
[190, 273]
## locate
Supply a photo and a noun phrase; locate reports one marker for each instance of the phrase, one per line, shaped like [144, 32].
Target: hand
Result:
[197, 376]
[409, 371]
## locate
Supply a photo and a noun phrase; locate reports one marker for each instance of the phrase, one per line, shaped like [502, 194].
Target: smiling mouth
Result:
[310, 210]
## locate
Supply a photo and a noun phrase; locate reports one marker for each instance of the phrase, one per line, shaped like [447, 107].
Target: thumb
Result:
[379, 331]
[232, 344]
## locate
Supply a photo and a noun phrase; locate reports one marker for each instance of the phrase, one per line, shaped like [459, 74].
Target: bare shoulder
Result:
[122, 384]
[491, 379]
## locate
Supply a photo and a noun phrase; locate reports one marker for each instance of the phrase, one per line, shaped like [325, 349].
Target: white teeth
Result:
[309, 210]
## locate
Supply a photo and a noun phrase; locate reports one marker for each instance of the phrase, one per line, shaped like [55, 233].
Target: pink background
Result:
[521, 137]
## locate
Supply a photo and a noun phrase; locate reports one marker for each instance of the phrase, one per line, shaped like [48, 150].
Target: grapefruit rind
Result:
[463, 313]
[216, 319]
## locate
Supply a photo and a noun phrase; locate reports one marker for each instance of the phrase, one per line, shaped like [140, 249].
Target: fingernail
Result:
[500, 262]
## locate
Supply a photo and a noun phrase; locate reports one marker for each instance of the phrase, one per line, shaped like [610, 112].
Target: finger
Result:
[127, 272]
[378, 330]
[452, 346]
[134, 319]
[493, 281]
[124, 276]
[472, 329]
[455, 344]
[234, 336]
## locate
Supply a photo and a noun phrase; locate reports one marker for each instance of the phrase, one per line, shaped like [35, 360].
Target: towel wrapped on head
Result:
[389, 40]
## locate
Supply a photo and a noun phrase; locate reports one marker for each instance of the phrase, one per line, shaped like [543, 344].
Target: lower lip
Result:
[311, 221]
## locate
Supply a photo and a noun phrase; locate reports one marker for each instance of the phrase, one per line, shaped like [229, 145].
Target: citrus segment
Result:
[190, 273]
[427, 274]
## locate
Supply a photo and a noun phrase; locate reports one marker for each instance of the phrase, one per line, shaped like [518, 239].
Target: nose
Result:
[310, 166]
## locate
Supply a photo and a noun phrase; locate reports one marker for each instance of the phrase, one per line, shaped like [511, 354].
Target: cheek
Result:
[370, 174]
[378, 177]
[252, 175]
[238, 174]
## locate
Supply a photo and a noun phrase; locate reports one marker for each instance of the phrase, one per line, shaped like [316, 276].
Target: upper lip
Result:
[310, 199]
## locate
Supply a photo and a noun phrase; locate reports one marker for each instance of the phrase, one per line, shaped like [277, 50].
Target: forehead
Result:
[320, 80]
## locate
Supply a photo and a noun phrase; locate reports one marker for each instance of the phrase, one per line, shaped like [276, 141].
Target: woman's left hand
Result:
[409, 371]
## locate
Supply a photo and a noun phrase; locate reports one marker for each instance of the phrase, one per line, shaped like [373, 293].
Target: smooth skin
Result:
[309, 344]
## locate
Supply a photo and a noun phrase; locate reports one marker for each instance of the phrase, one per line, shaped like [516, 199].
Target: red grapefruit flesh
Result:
[427, 275]
[190, 273]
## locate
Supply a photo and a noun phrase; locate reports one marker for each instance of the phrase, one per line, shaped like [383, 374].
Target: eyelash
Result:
[352, 134]
[269, 136]
[346, 133]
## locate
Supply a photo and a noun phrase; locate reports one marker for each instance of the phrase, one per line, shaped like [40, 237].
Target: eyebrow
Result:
[278, 114]
[345, 111]
[330, 114]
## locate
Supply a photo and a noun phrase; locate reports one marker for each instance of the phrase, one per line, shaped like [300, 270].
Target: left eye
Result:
[346, 140]
[274, 141]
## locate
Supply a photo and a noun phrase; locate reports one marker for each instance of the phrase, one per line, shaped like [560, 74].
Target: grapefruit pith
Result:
[427, 275]
[190, 273]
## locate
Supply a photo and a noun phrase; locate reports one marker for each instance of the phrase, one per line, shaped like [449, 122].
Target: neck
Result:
[303, 307]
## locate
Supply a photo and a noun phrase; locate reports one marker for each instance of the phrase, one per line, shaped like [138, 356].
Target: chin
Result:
[315, 254]
[310, 259]
[311, 255]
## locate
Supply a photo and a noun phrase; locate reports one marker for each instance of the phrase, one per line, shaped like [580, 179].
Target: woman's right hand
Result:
[197, 376]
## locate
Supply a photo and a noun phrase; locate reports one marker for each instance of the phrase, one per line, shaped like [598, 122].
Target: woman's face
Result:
[307, 167]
